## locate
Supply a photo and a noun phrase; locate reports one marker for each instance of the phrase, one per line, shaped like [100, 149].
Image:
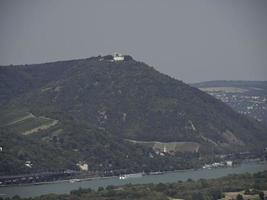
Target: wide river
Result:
[66, 187]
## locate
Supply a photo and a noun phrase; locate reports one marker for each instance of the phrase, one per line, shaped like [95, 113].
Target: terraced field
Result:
[24, 122]
[9, 117]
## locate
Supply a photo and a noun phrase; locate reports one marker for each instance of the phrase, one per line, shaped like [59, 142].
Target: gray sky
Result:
[189, 40]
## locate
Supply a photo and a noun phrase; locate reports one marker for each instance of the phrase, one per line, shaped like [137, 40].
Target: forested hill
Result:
[111, 114]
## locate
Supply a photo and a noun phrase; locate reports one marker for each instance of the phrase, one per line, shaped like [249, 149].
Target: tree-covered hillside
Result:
[90, 110]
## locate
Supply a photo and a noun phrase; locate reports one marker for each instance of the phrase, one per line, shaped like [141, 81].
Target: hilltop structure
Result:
[118, 57]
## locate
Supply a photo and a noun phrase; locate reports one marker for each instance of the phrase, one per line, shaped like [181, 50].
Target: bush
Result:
[239, 197]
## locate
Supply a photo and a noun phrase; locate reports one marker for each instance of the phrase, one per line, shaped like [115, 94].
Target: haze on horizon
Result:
[190, 40]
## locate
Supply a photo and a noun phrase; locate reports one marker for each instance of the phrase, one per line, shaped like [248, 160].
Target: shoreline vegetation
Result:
[252, 185]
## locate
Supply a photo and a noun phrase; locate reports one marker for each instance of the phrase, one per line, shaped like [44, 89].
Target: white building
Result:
[118, 57]
[165, 149]
[229, 163]
[83, 166]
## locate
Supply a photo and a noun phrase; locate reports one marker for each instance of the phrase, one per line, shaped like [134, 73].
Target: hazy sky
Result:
[190, 40]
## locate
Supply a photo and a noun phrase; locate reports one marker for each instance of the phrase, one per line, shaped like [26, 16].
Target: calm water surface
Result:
[66, 187]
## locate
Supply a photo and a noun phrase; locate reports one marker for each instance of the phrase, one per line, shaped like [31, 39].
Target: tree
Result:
[197, 196]
[100, 189]
[261, 195]
[161, 187]
[16, 197]
[239, 197]
[247, 191]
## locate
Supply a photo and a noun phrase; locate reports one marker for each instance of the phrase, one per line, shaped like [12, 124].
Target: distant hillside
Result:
[55, 115]
[246, 97]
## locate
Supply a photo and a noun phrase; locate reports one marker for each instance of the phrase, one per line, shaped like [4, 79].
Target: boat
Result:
[126, 176]
[155, 173]
[74, 180]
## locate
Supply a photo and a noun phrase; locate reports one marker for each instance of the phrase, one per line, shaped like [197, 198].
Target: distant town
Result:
[247, 97]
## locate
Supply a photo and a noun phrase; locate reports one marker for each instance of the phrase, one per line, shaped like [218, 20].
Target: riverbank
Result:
[168, 177]
[60, 181]
[73, 180]
[78, 179]
[209, 188]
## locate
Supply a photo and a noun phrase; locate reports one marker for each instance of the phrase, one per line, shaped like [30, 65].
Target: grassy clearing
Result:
[224, 89]
[10, 116]
[32, 125]
[24, 122]
[169, 147]
[29, 116]
[46, 124]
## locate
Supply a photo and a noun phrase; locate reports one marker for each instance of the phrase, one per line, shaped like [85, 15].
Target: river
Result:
[66, 187]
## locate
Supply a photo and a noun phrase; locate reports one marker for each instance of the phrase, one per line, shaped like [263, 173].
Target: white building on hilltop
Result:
[118, 57]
